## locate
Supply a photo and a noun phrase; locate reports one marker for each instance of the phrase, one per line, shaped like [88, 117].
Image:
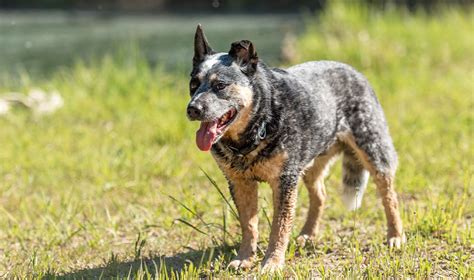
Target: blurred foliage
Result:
[41, 42]
[283, 6]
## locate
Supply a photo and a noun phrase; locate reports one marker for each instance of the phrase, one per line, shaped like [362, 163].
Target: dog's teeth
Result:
[225, 118]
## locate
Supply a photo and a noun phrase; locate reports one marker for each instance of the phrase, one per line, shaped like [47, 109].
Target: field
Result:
[112, 184]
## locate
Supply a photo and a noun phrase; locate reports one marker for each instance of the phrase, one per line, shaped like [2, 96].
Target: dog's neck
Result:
[261, 125]
[252, 144]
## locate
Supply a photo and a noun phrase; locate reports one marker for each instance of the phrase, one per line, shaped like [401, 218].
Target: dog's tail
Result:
[354, 180]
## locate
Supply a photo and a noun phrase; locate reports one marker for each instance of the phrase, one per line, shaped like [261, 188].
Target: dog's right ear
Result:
[244, 53]
[201, 46]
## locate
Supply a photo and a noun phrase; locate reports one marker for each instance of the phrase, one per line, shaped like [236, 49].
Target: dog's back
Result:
[358, 114]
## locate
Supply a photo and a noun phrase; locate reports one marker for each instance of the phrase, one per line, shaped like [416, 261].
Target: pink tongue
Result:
[206, 135]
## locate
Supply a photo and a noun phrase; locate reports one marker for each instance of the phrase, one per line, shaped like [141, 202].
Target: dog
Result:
[274, 125]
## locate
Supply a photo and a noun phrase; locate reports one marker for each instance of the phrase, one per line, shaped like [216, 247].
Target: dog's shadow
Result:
[157, 265]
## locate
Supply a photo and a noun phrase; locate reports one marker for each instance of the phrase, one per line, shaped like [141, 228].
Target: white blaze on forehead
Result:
[211, 61]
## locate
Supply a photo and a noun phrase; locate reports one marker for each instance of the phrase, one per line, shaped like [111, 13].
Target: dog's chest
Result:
[267, 170]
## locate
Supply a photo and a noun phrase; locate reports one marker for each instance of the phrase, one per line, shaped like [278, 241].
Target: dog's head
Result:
[220, 88]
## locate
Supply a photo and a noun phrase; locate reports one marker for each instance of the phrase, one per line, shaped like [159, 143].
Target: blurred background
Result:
[39, 36]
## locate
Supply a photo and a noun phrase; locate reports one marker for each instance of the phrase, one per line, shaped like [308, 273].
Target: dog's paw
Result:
[272, 265]
[240, 263]
[302, 240]
[396, 242]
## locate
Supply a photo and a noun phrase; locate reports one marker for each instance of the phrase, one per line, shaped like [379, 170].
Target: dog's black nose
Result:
[194, 112]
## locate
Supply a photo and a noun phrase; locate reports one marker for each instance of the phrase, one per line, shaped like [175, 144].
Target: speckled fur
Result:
[313, 111]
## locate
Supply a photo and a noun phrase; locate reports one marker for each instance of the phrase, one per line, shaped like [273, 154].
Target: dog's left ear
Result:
[201, 46]
[243, 52]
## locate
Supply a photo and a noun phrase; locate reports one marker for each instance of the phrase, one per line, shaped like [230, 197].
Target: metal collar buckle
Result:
[262, 131]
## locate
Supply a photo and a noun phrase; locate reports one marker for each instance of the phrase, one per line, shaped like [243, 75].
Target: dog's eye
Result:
[220, 86]
[193, 85]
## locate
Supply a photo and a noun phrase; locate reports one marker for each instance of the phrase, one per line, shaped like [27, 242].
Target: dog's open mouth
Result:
[210, 132]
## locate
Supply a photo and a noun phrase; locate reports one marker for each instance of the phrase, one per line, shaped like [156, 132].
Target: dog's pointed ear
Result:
[201, 46]
[243, 52]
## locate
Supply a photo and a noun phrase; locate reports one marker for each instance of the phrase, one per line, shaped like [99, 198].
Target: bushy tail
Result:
[354, 181]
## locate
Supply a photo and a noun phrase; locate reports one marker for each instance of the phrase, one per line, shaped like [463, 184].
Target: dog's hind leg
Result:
[378, 156]
[354, 180]
[245, 195]
[314, 181]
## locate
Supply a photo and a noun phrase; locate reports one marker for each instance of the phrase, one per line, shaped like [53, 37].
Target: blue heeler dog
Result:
[279, 125]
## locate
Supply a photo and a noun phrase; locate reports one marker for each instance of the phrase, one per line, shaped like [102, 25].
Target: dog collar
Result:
[261, 135]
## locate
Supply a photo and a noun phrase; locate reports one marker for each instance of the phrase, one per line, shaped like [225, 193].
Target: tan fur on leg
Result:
[245, 194]
[317, 196]
[395, 235]
[283, 215]
[314, 182]
[384, 180]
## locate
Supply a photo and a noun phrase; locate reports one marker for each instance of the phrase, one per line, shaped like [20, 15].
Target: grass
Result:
[112, 185]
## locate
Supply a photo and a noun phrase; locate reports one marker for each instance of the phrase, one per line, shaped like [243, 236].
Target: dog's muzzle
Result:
[194, 111]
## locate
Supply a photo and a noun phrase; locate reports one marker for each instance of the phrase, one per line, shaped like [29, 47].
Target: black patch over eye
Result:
[220, 86]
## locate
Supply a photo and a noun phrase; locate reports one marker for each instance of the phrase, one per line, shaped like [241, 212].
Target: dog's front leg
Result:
[245, 195]
[284, 202]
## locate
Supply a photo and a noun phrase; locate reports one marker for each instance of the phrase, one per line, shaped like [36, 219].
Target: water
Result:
[39, 43]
